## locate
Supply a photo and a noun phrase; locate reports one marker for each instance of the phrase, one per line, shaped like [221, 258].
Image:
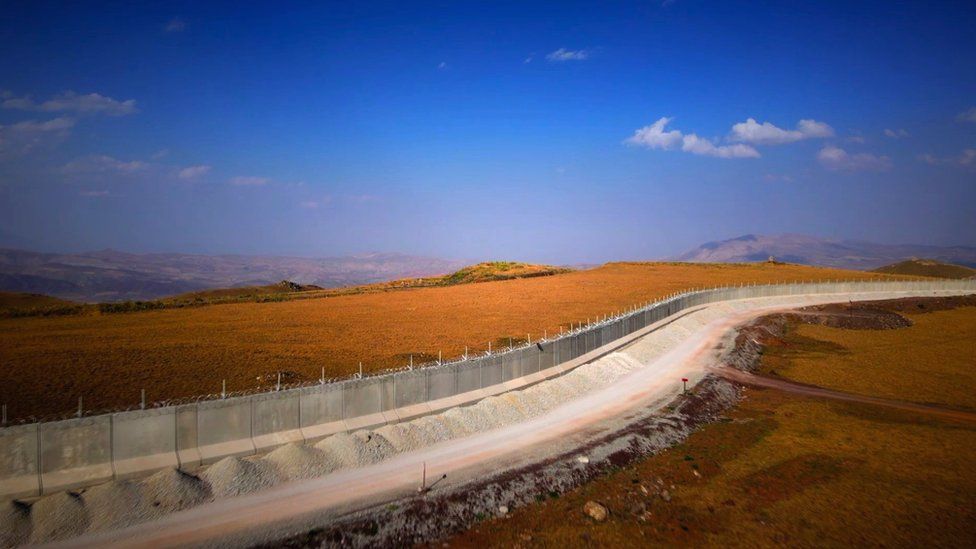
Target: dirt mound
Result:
[114, 505]
[915, 305]
[234, 476]
[297, 461]
[172, 490]
[58, 516]
[360, 448]
[851, 317]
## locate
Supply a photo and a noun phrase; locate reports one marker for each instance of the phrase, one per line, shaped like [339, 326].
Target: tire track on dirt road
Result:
[753, 380]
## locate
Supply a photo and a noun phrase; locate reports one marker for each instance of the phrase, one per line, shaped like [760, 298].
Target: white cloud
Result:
[656, 137]
[249, 181]
[103, 164]
[192, 172]
[966, 158]
[751, 131]
[175, 25]
[69, 101]
[967, 116]
[93, 194]
[442, 65]
[527, 60]
[562, 54]
[699, 145]
[162, 153]
[22, 137]
[856, 139]
[896, 134]
[835, 158]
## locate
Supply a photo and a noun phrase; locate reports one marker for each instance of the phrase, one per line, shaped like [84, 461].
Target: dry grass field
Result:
[787, 470]
[934, 361]
[46, 363]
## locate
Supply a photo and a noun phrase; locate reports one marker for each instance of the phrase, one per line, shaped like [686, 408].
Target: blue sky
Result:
[560, 132]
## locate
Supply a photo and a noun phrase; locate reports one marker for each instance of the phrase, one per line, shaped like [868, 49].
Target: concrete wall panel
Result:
[509, 363]
[19, 473]
[224, 429]
[411, 388]
[321, 411]
[469, 377]
[491, 371]
[363, 404]
[442, 382]
[275, 420]
[75, 452]
[144, 441]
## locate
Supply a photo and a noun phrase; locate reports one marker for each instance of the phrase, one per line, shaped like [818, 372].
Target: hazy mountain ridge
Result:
[110, 275]
[811, 250]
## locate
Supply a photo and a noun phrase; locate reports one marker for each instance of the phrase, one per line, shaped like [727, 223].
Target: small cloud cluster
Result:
[966, 158]
[249, 181]
[766, 133]
[896, 134]
[22, 137]
[69, 101]
[967, 115]
[837, 159]
[25, 136]
[656, 136]
[193, 172]
[103, 164]
[562, 54]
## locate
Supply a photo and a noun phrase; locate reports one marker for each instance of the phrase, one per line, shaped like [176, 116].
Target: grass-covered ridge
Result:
[23, 305]
[927, 267]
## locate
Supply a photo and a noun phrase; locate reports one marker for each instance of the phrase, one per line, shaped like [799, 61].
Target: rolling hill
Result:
[927, 267]
[111, 275]
[811, 250]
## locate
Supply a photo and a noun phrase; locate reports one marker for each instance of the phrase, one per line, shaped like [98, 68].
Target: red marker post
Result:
[684, 383]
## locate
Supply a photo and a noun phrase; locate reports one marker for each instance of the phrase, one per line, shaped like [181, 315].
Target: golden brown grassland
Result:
[932, 362]
[47, 362]
[789, 470]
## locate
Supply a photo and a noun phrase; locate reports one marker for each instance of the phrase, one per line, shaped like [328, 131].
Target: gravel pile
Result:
[340, 451]
[373, 447]
[297, 461]
[115, 504]
[172, 490]
[58, 516]
[234, 476]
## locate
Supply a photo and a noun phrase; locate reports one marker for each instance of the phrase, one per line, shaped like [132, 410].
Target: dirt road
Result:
[753, 380]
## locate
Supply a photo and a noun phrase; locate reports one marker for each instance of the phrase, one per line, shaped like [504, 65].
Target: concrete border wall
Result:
[42, 458]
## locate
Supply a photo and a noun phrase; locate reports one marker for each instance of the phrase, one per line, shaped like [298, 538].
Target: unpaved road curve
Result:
[287, 509]
[753, 380]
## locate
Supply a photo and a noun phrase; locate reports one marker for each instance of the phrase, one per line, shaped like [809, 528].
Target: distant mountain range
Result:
[111, 275]
[810, 250]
